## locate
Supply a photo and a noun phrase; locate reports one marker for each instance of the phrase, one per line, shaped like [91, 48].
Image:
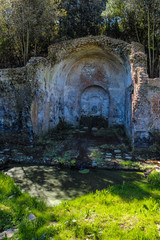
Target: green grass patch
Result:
[148, 167]
[129, 164]
[154, 178]
[126, 211]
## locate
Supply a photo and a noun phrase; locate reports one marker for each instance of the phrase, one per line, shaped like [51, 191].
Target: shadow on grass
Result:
[56, 184]
[139, 191]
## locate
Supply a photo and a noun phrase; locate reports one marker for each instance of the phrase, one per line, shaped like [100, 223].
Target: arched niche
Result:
[95, 102]
[89, 75]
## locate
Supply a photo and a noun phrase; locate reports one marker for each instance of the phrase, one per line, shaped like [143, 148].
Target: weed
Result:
[147, 167]
[97, 157]
[154, 178]
[130, 164]
[153, 148]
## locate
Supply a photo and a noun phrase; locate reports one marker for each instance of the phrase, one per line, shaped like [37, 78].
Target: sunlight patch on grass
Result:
[126, 211]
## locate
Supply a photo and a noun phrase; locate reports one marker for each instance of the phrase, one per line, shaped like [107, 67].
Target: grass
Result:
[154, 178]
[126, 211]
[129, 164]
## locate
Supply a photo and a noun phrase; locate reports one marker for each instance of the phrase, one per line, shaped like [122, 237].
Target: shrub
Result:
[154, 178]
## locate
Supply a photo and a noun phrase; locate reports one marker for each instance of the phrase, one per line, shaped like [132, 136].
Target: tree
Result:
[30, 25]
[83, 18]
[139, 21]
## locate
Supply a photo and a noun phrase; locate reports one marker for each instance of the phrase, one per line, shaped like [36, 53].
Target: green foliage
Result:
[111, 132]
[67, 159]
[5, 219]
[147, 167]
[119, 212]
[154, 178]
[84, 171]
[83, 18]
[110, 147]
[128, 211]
[138, 21]
[97, 157]
[154, 148]
[28, 27]
[16, 206]
[129, 164]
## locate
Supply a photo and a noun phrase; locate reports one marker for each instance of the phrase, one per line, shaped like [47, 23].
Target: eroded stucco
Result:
[92, 76]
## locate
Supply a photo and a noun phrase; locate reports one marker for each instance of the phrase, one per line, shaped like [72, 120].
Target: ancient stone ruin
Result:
[86, 77]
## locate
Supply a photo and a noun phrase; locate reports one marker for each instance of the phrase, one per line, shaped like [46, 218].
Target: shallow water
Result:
[55, 184]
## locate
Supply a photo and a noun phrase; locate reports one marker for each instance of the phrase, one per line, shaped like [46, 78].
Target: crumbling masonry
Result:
[92, 76]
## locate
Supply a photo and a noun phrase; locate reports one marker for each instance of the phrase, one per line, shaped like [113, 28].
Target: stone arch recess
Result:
[95, 102]
[94, 67]
[84, 68]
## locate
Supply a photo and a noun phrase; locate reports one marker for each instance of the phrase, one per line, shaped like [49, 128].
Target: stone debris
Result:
[94, 129]
[85, 128]
[14, 150]
[94, 164]
[92, 149]
[2, 160]
[10, 197]
[108, 159]
[82, 132]
[117, 151]
[32, 217]
[118, 156]
[6, 150]
[8, 233]
[128, 157]
[108, 154]
[76, 131]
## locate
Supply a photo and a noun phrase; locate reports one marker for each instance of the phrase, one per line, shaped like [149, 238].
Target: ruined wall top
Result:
[62, 50]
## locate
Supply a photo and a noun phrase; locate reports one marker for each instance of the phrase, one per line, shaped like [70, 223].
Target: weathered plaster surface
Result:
[15, 99]
[92, 76]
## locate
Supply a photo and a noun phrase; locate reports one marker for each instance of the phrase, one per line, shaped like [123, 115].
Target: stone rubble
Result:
[8, 233]
[32, 217]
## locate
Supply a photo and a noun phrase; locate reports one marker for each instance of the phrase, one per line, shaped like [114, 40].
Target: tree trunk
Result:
[159, 66]
[149, 44]
[27, 44]
[153, 42]
[23, 40]
[136, 31]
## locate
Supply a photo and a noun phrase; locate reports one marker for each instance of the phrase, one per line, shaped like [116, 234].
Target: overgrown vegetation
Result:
[127, 211]
[137, 20]
[154, 178]
[29, 27]
[129, 164]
